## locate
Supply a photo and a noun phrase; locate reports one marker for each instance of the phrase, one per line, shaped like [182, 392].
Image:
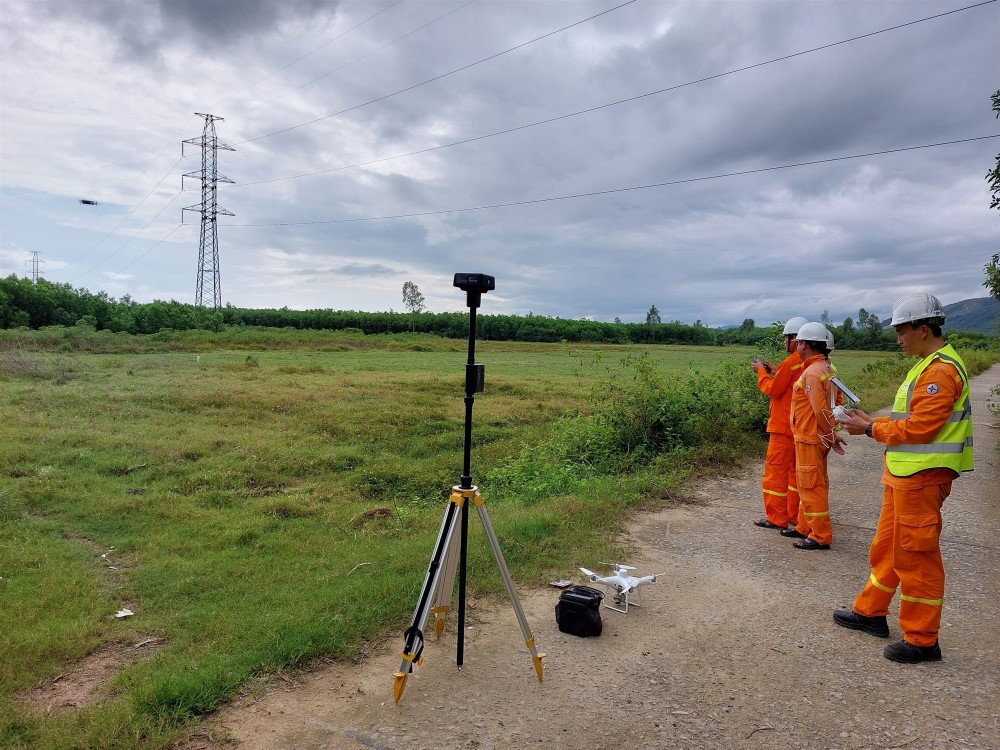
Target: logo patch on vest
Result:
[932, 388]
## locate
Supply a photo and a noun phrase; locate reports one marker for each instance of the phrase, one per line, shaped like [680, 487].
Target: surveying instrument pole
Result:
[450, 550]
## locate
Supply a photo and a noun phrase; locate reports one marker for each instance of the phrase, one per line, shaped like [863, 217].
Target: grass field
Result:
[260, 509]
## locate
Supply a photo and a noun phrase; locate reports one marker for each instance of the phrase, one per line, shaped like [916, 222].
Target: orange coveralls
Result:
[812, 420]
[905, 551]
[781, 498]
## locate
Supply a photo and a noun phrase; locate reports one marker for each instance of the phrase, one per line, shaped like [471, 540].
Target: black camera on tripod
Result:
[475, 282]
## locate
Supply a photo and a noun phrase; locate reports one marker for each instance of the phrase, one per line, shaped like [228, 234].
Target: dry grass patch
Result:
[16, 363]
[89, 681]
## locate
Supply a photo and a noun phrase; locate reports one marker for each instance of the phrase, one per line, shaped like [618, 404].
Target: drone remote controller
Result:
[839, 412]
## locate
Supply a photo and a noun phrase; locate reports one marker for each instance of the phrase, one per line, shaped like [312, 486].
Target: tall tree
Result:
[653, 316]
[869, 326]
[993, 178]
[413, 300]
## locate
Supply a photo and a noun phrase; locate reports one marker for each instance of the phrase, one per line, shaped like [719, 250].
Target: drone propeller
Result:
[618, 566]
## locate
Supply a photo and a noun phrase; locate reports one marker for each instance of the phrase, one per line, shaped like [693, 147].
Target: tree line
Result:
[41, 304]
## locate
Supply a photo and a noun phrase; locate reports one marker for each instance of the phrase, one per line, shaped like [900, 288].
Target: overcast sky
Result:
[97, 96]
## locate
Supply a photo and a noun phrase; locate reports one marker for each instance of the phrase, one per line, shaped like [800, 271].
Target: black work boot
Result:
[876, 626]
[906, 653]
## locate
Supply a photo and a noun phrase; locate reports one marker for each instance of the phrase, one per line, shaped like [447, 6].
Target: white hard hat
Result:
[816, 332]
[916, 307]
[793, 326]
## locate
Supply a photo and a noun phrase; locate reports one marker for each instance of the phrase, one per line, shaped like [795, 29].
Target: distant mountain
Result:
[981, 315]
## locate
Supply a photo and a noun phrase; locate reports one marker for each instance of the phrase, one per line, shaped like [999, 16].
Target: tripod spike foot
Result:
[537, 659]
[440, 618]
[398, 685]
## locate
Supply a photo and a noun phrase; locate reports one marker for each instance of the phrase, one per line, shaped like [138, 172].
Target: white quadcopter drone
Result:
[622, 584]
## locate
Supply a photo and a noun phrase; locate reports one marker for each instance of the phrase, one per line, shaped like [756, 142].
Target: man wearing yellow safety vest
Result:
[929, 443]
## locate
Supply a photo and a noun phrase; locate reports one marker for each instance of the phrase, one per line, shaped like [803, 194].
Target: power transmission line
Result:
[151, 249]
[124, 244]
[171, 168]
[126, 218]
[303, 57]
[624, 189]
[443, 75]
[359, 59]
[617, 102]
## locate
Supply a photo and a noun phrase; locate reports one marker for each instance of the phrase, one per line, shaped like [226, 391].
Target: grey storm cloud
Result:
[143, 29]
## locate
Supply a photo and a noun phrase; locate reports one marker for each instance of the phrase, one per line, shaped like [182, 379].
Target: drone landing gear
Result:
[624, 601]
[440, 579]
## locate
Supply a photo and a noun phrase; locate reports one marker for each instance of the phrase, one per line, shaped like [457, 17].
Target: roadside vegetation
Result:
[261, 499]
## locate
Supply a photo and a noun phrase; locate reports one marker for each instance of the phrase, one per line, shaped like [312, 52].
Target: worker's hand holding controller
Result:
[854, 421]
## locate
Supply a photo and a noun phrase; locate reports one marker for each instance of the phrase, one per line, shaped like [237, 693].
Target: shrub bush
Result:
[638, 414]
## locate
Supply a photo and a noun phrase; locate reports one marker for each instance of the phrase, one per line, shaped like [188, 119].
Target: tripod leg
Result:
[446, 587]
[413, 643]
[529, 637]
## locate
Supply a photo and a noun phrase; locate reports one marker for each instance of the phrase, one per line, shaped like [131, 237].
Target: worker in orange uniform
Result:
[781, 498]
[814, 431]
[929, 443]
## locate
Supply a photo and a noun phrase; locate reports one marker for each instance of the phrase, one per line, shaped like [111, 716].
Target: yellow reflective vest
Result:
[951, 448]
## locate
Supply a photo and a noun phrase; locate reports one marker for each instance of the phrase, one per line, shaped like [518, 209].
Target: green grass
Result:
[241, 491]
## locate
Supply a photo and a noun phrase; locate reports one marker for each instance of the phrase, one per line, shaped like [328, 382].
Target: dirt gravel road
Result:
[734, 648]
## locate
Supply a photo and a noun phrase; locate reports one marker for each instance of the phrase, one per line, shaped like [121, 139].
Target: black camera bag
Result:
[578, 611]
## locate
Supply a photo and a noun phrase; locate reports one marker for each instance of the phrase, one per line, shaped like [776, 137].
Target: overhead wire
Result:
[599, 107]
[303, 57]
[491, 57]
[124, 244]
[174, 165]
[441, 76]
[126, 217]
[358, 59]
[611, 191]
[514, 129]
[151, 249]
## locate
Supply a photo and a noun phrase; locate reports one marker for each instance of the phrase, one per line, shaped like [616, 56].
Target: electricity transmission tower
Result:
[208, 246]
[34, 266]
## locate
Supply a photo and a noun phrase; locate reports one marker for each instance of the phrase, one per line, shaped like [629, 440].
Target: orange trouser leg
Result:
[905, 553]
[780, 460]
[793, 490]
[814, 489]
[873, 601]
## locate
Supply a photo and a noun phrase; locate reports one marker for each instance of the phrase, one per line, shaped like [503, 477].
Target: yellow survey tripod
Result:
[450, 549]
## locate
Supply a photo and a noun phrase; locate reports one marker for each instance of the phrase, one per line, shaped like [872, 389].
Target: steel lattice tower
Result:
[208, 246]
[34, 266]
